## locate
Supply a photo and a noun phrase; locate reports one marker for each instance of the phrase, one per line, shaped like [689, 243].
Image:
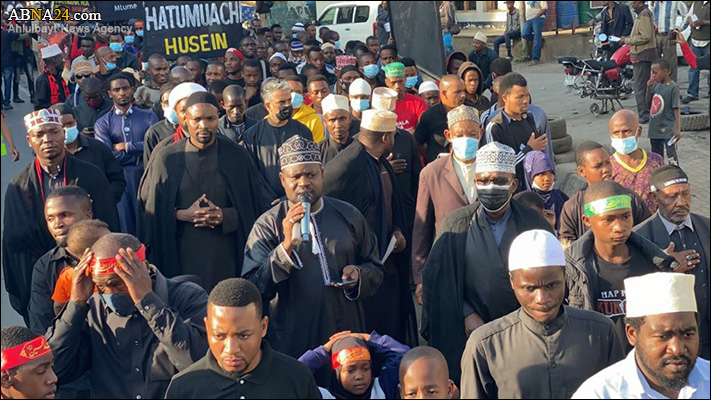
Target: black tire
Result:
[558, 128]
[562, 145]
[695, 122]
[565, 158]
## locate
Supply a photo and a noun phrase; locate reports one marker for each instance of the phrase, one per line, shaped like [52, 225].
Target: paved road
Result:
[545, 82]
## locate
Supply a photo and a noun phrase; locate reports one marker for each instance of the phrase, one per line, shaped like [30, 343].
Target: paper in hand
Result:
[391, 247]
[387, 27]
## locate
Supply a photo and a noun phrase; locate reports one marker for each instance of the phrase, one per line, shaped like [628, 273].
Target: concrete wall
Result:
[554, 46]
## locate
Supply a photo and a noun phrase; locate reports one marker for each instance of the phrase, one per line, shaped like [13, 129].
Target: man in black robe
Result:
[25, 235]
[234, 123]
[362, 176]
[465, 281]
[304, 278]
[161, 129]
[337, 119]
[199, 200]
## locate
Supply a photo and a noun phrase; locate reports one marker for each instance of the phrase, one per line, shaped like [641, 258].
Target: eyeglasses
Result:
[82, 76]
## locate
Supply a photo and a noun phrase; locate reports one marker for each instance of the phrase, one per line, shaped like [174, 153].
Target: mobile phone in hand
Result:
[340, 285]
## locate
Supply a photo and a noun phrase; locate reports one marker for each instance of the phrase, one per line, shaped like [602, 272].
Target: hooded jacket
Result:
[307, 116]
[481, 103]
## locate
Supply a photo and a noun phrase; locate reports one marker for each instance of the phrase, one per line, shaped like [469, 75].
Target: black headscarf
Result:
[336, 388]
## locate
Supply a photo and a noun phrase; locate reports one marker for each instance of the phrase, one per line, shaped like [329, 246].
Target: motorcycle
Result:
[605, 80]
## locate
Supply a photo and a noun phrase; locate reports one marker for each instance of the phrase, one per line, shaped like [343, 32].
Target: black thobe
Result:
[25, 235]
[136, 356]
[330, 149]
[465, 264]
[407, 181]
[44, 278]
[263, 141]
[165, 188]
[516, 357]
[358, 178]
[96, 153]
[305, 310]
[154, 135]
[276, 377]
[698, 239]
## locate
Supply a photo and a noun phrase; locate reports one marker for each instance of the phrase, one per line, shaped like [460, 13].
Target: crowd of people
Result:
[267, 224]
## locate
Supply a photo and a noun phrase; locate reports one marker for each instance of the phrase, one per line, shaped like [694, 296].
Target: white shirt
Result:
[623, 380]
[670, 8]
[467, 178]
[532, 10]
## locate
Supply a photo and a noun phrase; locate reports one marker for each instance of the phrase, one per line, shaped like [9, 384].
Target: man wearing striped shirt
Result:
[665, 18]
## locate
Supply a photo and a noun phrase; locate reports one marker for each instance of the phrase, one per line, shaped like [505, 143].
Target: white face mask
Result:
[534, 185]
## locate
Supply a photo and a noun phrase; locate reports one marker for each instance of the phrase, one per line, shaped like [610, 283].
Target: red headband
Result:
[24, 353]
[106, 266]
[235, 52]
[349, 355]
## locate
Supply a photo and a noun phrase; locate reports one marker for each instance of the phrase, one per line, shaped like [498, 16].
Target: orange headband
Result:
[24, 353]
[349, 355]
[107, 266]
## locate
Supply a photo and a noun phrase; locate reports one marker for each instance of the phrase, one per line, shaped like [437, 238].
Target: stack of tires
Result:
[562, 142]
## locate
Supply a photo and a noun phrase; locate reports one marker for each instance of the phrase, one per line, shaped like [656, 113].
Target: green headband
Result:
[613, 203]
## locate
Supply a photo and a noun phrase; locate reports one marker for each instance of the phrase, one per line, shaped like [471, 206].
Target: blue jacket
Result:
[483, 60]
[622, 24]
[112, 128]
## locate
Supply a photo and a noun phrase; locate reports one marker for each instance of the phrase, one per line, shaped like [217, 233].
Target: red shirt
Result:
[409, 111]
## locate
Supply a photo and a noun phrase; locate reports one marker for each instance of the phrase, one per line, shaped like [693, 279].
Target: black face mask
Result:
[493, 197]
[285, 113]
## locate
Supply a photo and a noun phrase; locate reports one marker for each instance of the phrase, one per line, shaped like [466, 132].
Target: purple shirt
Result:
[131, 128]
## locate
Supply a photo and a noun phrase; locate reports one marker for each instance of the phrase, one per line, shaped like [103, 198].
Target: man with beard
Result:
[277, 32]
[200, 196]
[123, 311]
[50, 87]
[240, 363]
[64, 207]
[662, 325]
[264, 139]
[313, 280]
[362, 176]
[149, 93]
[172, 128]
[594, 166]
[25, 235]
[676, 229]
[26, 365]
[234, 123]
[465, 281]
[550, 348]
[123, 130]
[93, 106]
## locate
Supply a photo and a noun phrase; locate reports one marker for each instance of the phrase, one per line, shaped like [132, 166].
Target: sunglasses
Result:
[82, 76]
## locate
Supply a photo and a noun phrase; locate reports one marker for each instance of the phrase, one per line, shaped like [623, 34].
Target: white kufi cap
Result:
[379, 120]
[359, 86]
[50, 51]
[334, 102]
[535, 249]
[660, 293]
[183, 91]
[384, 99]
[496, 157]
[428, 86]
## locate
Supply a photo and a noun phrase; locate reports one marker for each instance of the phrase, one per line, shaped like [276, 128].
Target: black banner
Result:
[72, 6]
[416, 28]
[119, 10]
[197, 28]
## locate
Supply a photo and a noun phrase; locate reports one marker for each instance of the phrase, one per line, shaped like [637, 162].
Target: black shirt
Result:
[257, 112]
[277, 376]
[96, 153]
[611, 299]
[44, 278]
[430, 131]
[230, 81]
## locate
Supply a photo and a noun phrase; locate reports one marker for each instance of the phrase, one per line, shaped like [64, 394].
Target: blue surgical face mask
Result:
[625, 146]
[116, 46]
[128, 39]
[121, 304]
[465, 148]
[110, 66]
[296, 100]
[360, 105]
[294, 36]
[139, 33]
[171, 115]
[337, 44]
[70, 134]
[410, 82]
[371, 71]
